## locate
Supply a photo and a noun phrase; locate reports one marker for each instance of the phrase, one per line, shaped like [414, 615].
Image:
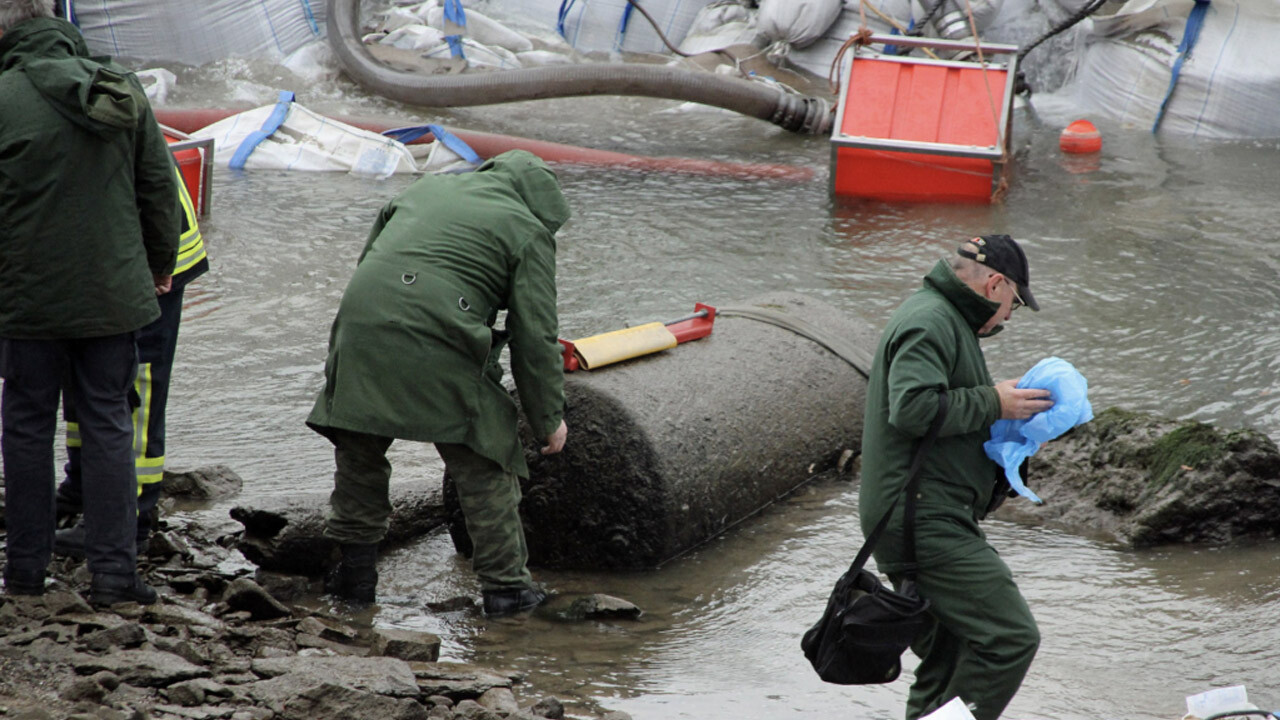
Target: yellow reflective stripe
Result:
[191, 242]
[142, 415]
[73, 434]
[150, 470]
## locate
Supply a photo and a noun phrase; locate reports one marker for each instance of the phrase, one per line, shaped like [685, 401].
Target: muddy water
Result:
[1157, 270]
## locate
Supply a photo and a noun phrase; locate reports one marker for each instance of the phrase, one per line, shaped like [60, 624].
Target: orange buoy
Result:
[1080, 137]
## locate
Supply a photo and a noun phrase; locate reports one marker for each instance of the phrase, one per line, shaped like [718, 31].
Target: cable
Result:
[1022, 86]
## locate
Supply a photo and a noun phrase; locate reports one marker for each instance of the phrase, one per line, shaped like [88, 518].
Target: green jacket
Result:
[930, 344]
[88, 196]
[413, 352]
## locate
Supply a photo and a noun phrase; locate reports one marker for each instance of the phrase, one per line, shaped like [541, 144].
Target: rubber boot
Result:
[356, 576]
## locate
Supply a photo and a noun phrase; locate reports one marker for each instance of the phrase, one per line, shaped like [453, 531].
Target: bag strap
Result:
[913, 482]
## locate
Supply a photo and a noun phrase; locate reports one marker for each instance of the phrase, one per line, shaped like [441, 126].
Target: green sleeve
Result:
[536, 360]
[156, 193]
[919, 362]
[384, 216]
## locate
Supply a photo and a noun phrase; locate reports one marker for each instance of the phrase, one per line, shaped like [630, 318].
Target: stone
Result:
[215, 482]
[84, 688]
[456, 680]
[599, 607]
[282, 586]
[500, 700]
[144, 668]
[168, 614]
[129, 634]
[339, 702]
[246, 595]
[194, 692]
[406, 645]
[384, 676]
[472, 710]
[1145, 480]
[548, 707]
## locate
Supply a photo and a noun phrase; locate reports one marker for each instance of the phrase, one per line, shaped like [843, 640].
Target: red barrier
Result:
[490, 144]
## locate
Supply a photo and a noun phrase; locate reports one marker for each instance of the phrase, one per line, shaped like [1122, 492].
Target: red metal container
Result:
[920, 129]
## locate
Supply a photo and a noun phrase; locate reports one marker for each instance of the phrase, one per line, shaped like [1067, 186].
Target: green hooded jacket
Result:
[930, 344]
[88, 196]
[413, 353]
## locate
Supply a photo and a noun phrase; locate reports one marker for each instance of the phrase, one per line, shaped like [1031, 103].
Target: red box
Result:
[920, 129]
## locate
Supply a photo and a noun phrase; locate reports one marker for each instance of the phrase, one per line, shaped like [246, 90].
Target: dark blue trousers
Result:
[101, 372]
[157, 345]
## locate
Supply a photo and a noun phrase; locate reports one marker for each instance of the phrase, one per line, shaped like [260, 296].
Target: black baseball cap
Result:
[1002, 254]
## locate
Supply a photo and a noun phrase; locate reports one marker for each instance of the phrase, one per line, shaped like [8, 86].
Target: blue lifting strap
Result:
[444, 137]
[272, 124]
[1190, 34]
[622, 27]
[454, 13]
[565, 7]
[311, 17]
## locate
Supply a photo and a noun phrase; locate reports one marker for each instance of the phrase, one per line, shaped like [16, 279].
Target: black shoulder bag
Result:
[867, 625]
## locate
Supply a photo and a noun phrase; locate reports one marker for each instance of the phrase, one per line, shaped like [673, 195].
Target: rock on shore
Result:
[1146, 480]
[223, 643]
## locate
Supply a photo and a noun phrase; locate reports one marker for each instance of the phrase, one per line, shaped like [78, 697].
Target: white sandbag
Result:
[797, 22]
[484, 30]
[397, 18]
[157, 82]
[596, 25]
[313, 63]
[720, 25]
[478, 56]
[196, 32]
[542, 58]
[414, 37]
[1228, 83]
[307, 141]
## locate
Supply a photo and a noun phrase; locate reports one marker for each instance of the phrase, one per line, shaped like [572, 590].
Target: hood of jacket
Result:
[975, 309]
[534, 182]
[99, 97]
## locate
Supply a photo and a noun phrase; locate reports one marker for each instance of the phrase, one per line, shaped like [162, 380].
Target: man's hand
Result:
[1021, 403]
[555, 441]
[164, 283]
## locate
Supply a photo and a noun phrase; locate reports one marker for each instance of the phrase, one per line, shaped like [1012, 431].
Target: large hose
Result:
[793, 112]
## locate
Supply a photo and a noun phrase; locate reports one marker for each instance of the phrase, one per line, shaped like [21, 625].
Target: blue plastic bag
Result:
[1013, 441]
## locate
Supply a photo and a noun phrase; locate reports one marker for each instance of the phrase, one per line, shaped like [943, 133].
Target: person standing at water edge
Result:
[157, 344]
[981, 638]
[413, 354]
[89, 226]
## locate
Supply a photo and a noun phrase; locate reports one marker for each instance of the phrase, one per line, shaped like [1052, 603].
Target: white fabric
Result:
[592, 25]
[797, 22]
[484, 30]
[720, 25]
[308, 141]
[1228, 85]
[196, 32]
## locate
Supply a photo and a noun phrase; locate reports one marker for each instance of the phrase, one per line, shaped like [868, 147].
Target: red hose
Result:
[490, 144]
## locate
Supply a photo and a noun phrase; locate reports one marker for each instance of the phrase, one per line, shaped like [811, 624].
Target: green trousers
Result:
[981, 640]
[360, 507]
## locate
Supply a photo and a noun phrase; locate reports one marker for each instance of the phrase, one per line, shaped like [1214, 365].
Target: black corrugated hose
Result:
[797, 113]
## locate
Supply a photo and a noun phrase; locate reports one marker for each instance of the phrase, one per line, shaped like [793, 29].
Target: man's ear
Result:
[993, 280]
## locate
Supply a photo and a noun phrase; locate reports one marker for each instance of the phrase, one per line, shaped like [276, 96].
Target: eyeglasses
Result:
[1017, 299]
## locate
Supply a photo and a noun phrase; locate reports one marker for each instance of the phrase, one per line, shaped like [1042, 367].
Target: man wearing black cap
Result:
[982, 637]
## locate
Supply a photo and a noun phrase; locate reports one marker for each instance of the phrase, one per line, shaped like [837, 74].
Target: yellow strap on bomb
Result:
[611, 347]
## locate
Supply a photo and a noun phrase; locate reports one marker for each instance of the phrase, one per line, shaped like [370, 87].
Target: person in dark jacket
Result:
[982, 637]
[89, 227]
[157, 345]
[414, 355]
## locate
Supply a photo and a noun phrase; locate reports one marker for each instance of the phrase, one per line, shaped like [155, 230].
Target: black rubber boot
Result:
[69, 542]
[500, 603]
[106, 590]
[23, 582]
[356, 576]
